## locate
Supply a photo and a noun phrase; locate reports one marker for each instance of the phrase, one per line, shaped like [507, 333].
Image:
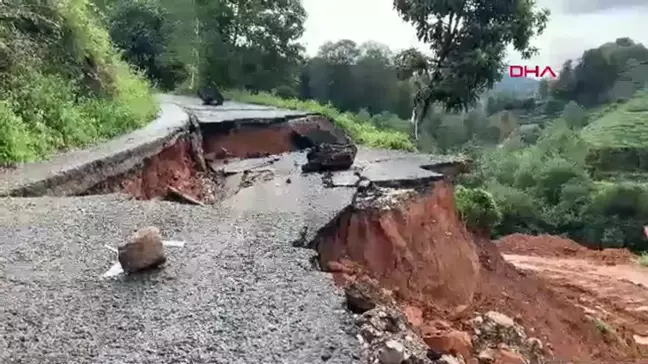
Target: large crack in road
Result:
[238, 292]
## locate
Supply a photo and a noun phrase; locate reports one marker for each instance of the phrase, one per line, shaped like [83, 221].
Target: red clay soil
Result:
[173, 166]
[617, 295]
[418, 252]
[254, 141]
[555, 246]
[423, 253]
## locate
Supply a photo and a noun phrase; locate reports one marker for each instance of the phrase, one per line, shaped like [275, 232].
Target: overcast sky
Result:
[575, 25]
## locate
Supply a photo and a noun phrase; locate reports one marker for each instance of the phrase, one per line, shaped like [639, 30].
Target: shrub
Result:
[477, 208]
[62, 82]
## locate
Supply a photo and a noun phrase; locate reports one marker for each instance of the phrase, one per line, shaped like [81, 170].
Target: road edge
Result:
[73, 172]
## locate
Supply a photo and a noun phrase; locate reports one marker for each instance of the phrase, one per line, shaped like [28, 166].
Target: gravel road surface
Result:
[237, 293]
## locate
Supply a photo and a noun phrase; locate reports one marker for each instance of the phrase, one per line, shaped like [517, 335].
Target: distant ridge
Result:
[517, 85]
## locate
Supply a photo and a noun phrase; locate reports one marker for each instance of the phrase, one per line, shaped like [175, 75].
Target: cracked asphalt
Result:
[238, 292]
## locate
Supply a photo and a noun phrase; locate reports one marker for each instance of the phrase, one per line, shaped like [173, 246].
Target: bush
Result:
[63, 85]
[359, 129]
[546, 188]
[477, 208]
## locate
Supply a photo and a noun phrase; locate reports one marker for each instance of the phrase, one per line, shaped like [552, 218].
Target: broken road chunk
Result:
[330, 157]
[174, 194]
[144, 250]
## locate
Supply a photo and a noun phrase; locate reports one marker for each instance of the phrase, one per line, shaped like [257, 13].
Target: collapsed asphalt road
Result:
[238, 292]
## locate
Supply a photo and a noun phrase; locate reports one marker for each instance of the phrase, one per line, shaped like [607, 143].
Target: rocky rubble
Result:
[498, 339]
[330, 157]
[389, 339]
[384, 330]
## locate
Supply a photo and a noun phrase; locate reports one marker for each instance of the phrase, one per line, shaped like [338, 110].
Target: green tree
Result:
[574, 115]
[468, 40]
[140, 29]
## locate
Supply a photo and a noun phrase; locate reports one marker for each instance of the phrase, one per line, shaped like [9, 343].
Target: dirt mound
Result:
[558, 247]
[613, 296]
[414, 244]
[173, 167]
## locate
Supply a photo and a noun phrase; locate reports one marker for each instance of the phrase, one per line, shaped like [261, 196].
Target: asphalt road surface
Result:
[237, 293]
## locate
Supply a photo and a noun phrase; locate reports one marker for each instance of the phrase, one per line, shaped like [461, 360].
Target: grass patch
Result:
[624, 126]
[643, 259]
[66, 87]
[358, 128]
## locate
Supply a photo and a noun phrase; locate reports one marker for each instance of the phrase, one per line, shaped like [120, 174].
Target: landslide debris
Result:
[172, 172]
[456, 290]
[558, 247]
[253, 139]
[330, 157]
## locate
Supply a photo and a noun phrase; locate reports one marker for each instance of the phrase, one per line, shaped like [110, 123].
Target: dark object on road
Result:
[357, 299]
[211, 96]
[330, 157]
[144, 250]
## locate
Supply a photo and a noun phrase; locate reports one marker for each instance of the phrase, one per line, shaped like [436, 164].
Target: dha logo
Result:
[516, 71]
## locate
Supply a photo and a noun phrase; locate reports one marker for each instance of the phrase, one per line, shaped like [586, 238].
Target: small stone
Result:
[288, 181]
[534, 343]
[509, 357]
[144, 250]
[457, 343]
[478, 320]
[357, 300]
[487, 356]
[393, 352]
[433, 354]
[363, 184]
[500, 319]
[448, 359]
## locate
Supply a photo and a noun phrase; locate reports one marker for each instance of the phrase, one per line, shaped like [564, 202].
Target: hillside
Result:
[62, 84]
[517, 85]
[621, 127]
[619, 138]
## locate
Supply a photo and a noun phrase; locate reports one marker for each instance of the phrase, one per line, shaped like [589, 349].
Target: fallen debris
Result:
[498, 339]
[144, 250]
[389, 339]
[358, 300]
[174, 194]
[330, 157]
[116, 269]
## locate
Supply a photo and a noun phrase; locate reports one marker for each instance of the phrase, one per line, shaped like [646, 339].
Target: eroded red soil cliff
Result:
[173, 167]
[414, 245]
[261, 139]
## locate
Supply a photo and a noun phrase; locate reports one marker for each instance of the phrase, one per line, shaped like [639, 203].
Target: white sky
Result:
[566, 36]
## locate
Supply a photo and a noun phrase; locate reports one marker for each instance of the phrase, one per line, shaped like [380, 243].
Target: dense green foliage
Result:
[477, 208]
[62, 84]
